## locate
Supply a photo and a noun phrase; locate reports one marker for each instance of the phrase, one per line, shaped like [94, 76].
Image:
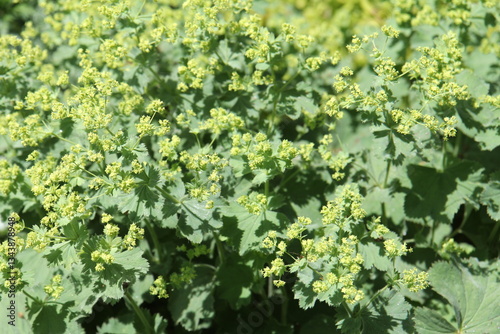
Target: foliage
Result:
[230, 166]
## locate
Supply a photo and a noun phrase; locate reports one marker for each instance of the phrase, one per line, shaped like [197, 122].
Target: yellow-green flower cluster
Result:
[295, 230]
[12, 246]
[168, 147]
[101, 258]
[111, 230]
[437, 68]
[13, 273]
[8, 175]
[30, 131]
[333, 254]
[221, 120]
[55, 289]
[332, 108]
[394, 248]
[186, 275]
[277, 268]
[348, 256]
[270, 241]
[20, 52]
[254, 203]
[335, 162]
[451, 247]
[261, 153]
[134, 233]
[433, 74]
[206, 169]
[159, 288]
[194, 72]
[415, 281]
[195, 251]
[345, 208]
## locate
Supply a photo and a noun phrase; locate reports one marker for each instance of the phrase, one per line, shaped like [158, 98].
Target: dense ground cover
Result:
[224, 166]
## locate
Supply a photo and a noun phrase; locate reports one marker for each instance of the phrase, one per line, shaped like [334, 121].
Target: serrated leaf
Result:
[196, 220]
[396, 146]
[57, 323]
[476, 86]
[234, 283]
[491, 198]
[431, 322]
[81, 287]
[251, 229]
[437, 196]
[481, 124]
[192, 305]
[303, 288]
[123, 324]
[383, 201]
[472, 289]
[142, 202]
[388, 313]
[374, 256]
[63, 253]
[126, 267]
[307, 104]
[132, 260]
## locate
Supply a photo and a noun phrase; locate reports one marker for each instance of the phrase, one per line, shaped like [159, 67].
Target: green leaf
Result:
[307, 104]
[431, 322]
[56, 325]
[126, 267]
[388, 313]
[83, 288]
[396, 146]
[303, 288]
[247, 230]
[472, 289]
[123, 324]
[491, 198]
[143, 200]
[192, 305]
[384, 201]
[481, 124]
[437, 196]
[64, 253]
[234, 283]
[476, 86]
[196, 221]
[374, 256]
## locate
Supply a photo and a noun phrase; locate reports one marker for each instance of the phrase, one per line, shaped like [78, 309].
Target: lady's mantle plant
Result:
[178, 165]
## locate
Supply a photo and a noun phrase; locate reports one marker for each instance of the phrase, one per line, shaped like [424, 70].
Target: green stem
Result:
[167, 195]
[276, 99]
[140, 9]
[494, 232]
[371, 300]
[139, 313]
[387, 171]
[32, 298]
[467, 212]
[220, 249]
[348, 310]
[458, 144]
[155, 242]
[291, 176]
[206, 265]
[284, 307]
[266, 188]
[270, 287]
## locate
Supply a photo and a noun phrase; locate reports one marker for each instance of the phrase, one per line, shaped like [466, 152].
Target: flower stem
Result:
[147, 326]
